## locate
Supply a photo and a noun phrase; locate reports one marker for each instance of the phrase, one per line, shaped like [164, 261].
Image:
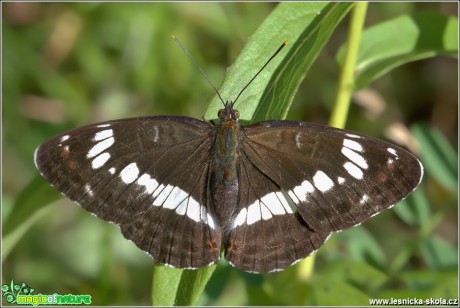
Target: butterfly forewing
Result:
[149, 175]
[334, 178]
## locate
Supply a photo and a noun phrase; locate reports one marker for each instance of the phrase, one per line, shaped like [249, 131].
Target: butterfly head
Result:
[228, 114]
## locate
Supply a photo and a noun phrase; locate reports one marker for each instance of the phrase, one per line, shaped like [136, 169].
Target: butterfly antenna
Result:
[271, 58]
[197, 66]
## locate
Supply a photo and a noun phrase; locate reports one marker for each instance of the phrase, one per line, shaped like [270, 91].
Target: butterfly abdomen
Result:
[224, 179]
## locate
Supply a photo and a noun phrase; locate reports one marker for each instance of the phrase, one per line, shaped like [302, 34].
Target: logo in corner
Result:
[21, 294]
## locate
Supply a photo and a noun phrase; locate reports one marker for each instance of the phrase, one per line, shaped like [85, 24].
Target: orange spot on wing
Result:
[72, 165]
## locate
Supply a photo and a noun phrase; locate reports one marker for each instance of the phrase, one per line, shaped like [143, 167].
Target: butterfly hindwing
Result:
[149, 175]
[267, 234]
[188, 241]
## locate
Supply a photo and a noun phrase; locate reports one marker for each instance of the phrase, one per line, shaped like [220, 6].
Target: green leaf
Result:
[166, 282]
[415, 209]
[439, 254]
[307, 26]
[447, 287]
[425, 279]
[362, 246]
[437, 155]
[401, 40]
[361, 274]
[337, 293]
[177, 287]
[36, 195]
[10, 240]
[425, 285]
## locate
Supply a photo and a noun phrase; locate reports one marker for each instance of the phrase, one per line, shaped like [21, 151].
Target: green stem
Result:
[346, 82]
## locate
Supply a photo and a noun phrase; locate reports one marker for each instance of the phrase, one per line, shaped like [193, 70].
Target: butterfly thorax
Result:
[224, 180]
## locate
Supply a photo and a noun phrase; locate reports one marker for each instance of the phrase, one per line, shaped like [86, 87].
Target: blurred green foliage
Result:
[69, 64]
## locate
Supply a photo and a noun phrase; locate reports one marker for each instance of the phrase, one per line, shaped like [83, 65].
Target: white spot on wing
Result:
[322, 181]
[356, 158]
[172, 197]
[353, 145]
[297, 140]
[210, 221]
[272, 202]
[88, 190]
[100, 147]
[364, 199]
[104, 125]
[293, 197]
[64, 138]
[193, 210]
[393, 152]
[302, 191]
[284, 202]
[161, 194]
[182, 208]
[353, 136]
[207, 218]
[176, 196]
[156, 133]
[341, 180]
[130, 173]
[353, 170]
[240, 218]
[158, 190]
[147, 181]
[100, 160]
[265, 212]
[112, 170]
[103, 134]
[254, 214]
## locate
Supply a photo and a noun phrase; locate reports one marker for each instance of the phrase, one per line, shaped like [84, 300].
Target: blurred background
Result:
[70, 64]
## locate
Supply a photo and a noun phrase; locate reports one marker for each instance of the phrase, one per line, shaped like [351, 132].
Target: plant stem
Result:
[346, 82]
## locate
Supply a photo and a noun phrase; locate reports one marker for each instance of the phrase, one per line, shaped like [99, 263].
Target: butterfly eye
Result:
[235, 114]
[221, 114]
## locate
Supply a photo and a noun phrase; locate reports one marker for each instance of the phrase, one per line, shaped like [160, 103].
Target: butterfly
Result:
[266, 195]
